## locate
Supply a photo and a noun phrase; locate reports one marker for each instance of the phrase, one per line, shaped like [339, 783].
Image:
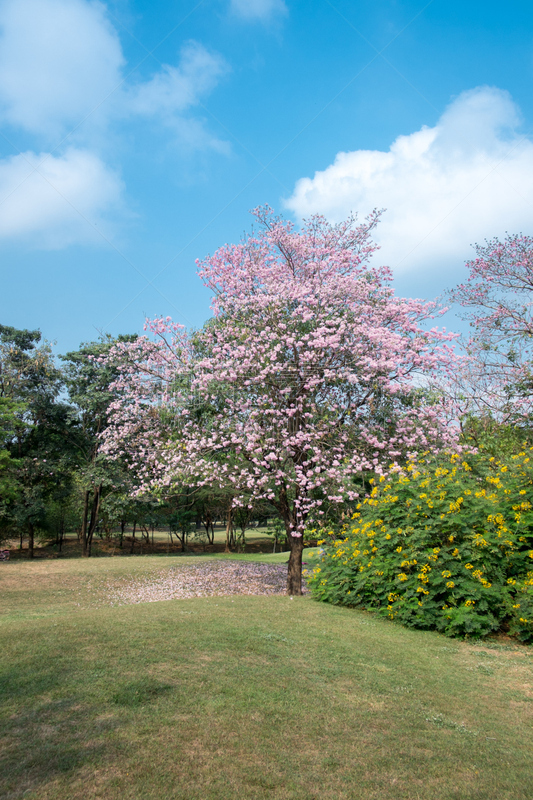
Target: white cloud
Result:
[176, 89]
[62, 77]
[56, 201]
[445, 187]
[59, 59]
[62, 61]
[261, 10]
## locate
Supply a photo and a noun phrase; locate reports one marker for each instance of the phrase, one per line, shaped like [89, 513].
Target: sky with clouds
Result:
[135, 137]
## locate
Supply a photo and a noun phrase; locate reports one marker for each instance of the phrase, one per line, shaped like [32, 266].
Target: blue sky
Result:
[136, 136]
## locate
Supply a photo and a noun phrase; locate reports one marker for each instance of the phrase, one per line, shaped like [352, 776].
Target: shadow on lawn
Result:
[47, 741]
[43, 739]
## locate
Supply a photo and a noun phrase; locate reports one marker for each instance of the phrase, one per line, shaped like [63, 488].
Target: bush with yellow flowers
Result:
[444, 545]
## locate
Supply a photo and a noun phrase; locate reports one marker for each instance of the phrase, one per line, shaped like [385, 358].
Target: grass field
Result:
[245, 697]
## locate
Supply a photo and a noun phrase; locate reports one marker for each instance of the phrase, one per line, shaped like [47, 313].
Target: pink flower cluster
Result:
[498, 296]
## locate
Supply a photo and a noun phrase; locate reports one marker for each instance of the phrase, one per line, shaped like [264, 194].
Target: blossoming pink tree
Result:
[309, 372]
[498, 298]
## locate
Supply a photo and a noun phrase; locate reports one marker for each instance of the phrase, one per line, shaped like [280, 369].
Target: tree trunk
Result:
[227, 549]
[31, 536]
[133, 536]
[295, 543]
[61, 531]
[89, 531]
[208, 525]
[294, 571]
[83, 532]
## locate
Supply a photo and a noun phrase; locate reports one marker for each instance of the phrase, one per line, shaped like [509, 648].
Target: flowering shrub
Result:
[445, 546]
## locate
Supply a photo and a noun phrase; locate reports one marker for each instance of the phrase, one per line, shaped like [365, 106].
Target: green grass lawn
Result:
[245, 697]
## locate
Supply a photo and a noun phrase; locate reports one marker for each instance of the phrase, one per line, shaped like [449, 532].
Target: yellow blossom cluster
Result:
[437, 539]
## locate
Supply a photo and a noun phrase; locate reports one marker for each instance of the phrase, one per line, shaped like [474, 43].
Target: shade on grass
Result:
[246, 697]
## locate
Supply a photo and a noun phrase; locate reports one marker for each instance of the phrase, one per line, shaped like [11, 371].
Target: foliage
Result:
[88, 375]
[445, 546]
[35, 429]
[309, 372]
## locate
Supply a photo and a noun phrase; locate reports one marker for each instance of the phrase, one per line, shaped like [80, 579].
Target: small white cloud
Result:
[173, 91]
[262, 10]
[56, 201]
[59, 59]
[445, 187]
[176, 89]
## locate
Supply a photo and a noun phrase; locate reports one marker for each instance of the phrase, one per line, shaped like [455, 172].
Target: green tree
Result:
[34, 424]
[88, 375]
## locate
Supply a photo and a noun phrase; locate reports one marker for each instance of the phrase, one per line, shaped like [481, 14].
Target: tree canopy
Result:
[310, 372]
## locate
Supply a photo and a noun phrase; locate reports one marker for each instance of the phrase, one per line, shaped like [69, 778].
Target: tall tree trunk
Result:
[227, 549]
[31, 536]
[95, 507]
[294, 571]
[61, 531]
[296, 544]
[133, 536]
[208, 525]
[83, 532]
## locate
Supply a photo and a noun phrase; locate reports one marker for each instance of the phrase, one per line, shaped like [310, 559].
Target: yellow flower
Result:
[450, 585]
[402, 576]
[469, 566]
[446, 573]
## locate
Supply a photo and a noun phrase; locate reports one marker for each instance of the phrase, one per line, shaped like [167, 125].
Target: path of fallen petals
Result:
[212, 579]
